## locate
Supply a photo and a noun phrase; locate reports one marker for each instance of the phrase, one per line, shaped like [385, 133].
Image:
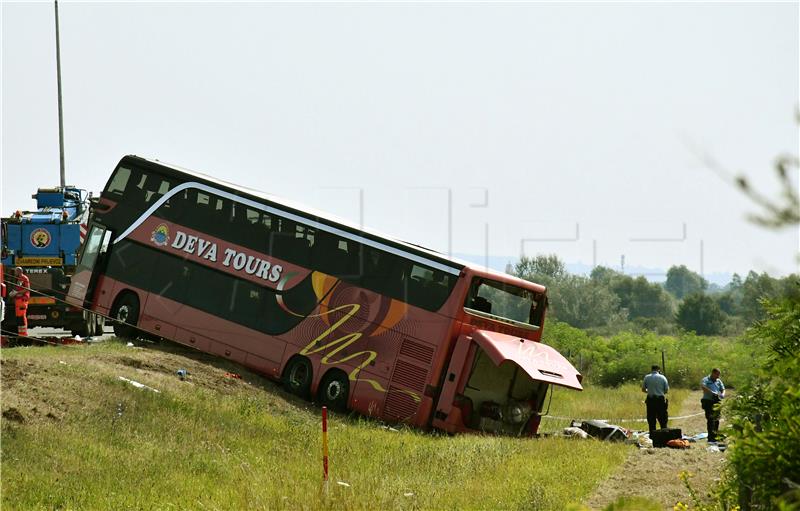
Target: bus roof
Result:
[315, 215]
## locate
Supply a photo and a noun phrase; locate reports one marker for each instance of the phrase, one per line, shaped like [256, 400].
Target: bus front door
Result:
[449, 416]
[82, 283]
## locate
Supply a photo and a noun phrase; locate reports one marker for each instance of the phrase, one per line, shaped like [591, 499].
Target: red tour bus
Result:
[357, 320]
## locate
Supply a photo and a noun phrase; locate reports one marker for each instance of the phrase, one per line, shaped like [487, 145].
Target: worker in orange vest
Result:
[3, 338]
[21, 294]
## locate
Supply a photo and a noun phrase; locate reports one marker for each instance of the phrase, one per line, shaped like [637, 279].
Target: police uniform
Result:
[713, 392]
[657, 386]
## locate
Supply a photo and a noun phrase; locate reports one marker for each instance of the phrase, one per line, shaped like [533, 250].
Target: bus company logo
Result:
[40, 238]
[160, 236]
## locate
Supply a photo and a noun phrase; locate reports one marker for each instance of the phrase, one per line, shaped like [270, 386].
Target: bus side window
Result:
[245, 302]
[300, 251]
[211, 291]
[266, 221]
[133, 264]
[174, 278]
[119, 181]
[289, 243]
[137, 194]
[154, 189]
[165, 187]
[329, 254]
[204, 215]
[175, 208]
[150, 187]
[240, 230]
[253, 216]
[384, 273]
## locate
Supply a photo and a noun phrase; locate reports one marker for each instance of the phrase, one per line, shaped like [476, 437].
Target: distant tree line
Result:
[608, 301]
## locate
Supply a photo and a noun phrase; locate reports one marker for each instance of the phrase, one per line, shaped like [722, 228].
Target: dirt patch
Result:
[10, 372]
[13, 414]
[654, 473]
[48, 388]
[148, 363]
[163, 362]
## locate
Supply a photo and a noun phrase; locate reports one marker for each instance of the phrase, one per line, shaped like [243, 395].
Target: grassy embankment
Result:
[74, 436]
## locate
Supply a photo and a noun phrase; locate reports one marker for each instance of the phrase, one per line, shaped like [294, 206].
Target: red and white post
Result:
[325, 449]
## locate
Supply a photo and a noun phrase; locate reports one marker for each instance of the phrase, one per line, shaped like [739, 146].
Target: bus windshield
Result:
[504, 301]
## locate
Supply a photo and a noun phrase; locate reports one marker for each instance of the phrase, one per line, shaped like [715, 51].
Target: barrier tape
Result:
[613, 421]
[108, 318]
[39, 292]
[10, 333]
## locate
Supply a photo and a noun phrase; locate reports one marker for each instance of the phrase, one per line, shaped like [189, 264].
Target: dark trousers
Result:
[656, 409]
[712, 417]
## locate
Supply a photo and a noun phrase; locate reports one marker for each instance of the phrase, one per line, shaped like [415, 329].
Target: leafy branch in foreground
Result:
[777, 213]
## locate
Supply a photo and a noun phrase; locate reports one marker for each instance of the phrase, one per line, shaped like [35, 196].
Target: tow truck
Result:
[45, 243]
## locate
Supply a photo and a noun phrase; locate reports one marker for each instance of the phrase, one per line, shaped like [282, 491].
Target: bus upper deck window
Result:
[119, 181]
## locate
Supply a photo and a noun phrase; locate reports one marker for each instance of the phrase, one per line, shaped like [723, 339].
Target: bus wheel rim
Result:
[297, 376]
[123, 313]
[333, 391]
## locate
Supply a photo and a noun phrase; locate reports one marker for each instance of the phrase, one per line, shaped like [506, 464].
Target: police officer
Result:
[713, 393]
[656, 386]
[20, 294]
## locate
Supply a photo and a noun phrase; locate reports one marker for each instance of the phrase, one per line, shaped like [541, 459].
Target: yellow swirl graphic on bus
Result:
[330, 346]
[334, 346]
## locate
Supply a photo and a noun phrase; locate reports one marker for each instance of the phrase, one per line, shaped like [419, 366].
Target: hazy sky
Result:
[575, 129]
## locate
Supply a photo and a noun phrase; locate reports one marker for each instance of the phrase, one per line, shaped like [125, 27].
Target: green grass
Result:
[87, 440]
[619, 405]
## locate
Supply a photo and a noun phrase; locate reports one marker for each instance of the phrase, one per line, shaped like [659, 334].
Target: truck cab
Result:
[45, 242]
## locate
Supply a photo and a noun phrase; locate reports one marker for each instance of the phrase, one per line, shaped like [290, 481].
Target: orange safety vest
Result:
[22, 287]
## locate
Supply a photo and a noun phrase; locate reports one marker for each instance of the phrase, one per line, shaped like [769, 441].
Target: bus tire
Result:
[99, 324]
[83, 327]
[125, 314]
[297, 377]
[334, 390]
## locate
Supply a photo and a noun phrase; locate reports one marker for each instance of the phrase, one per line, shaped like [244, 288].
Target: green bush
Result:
[627, 356]
[765, 459]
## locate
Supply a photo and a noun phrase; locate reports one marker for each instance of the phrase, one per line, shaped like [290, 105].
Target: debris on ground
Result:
[139, 385]
[661, 436]
[678, 443]
[602, 430]
[573, 432]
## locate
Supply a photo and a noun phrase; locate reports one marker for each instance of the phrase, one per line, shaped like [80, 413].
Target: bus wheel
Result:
[99, 323]
[126, 313]
[334, 390]
[84, 326]
[297, 377]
